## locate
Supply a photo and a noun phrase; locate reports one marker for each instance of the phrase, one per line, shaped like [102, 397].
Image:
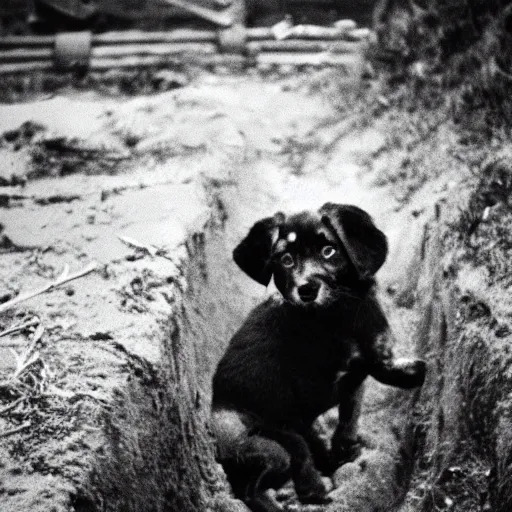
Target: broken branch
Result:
[12, 405]
[21, 327]
[12, 431]
[130, 242]
[49, 287]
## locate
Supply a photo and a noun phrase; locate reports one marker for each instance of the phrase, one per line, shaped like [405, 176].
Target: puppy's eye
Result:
[328, 251]
[287, 260]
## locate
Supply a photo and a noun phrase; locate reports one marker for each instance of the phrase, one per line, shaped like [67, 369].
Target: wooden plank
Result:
[294, 45]
[135, 37]
[25, 67]
[307, 59]
[24, 55]
[153, 49]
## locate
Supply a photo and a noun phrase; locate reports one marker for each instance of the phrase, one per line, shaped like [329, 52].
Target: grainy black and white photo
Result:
[255, 255]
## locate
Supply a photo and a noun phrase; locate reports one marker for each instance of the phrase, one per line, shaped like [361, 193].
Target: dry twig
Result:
[24, 361]
[152, 250]
[15, 430]
[130, 242]
[33, 322]
[12, 405]
[65, 277]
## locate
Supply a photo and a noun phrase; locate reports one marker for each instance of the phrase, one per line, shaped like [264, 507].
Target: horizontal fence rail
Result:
[310, 45]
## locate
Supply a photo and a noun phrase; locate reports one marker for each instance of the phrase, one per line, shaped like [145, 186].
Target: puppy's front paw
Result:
[311, 488]
[345, 450]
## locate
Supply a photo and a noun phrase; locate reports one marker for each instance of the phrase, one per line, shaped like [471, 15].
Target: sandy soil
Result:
[81, 171]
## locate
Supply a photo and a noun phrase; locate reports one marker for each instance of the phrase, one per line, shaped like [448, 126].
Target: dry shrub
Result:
[459, 50]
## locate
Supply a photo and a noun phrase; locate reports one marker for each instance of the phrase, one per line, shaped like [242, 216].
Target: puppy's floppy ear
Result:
[366, 245]
[253, 253]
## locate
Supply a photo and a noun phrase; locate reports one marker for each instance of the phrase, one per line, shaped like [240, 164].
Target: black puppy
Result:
[302, 352]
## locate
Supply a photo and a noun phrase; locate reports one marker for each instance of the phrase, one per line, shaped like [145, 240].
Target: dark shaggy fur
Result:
[304, 351]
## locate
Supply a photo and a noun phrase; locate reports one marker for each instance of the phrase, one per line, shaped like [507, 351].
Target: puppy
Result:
[303, 351]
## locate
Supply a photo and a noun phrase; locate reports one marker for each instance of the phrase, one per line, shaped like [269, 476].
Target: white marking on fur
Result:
[291, 237]
[275, 236]
[403, 361]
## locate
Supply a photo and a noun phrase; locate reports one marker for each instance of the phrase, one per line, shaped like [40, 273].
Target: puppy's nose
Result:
[308, 292]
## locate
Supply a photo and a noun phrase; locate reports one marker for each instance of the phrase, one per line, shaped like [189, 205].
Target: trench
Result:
[159, 455]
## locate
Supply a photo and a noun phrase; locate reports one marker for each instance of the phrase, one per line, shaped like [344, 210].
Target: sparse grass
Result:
[463, 418]
[454, 59]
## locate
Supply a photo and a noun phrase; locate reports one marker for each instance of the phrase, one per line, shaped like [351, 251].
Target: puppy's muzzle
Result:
[308, 292]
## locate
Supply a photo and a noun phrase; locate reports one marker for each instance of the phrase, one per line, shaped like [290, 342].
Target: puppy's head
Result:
[315, 257]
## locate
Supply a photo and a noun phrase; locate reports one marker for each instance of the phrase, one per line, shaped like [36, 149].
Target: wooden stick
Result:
[21, 327]
[12, 405]
[49, 287]
[130, 242]
[36, 338]
[12, 431]
[24, 362]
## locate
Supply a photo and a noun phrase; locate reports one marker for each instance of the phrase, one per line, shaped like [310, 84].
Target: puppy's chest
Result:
[311, 373]
[318, 354]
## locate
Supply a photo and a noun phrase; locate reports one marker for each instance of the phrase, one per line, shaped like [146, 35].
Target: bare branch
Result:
[12, 405]
[12, 431]
[21, 327]
[63, 279]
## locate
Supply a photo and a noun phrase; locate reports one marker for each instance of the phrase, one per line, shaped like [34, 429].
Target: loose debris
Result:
[23, 378]
[145, 248]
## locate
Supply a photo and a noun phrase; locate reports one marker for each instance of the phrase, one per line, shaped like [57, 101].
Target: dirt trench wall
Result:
[159, 454]
[464, 428]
